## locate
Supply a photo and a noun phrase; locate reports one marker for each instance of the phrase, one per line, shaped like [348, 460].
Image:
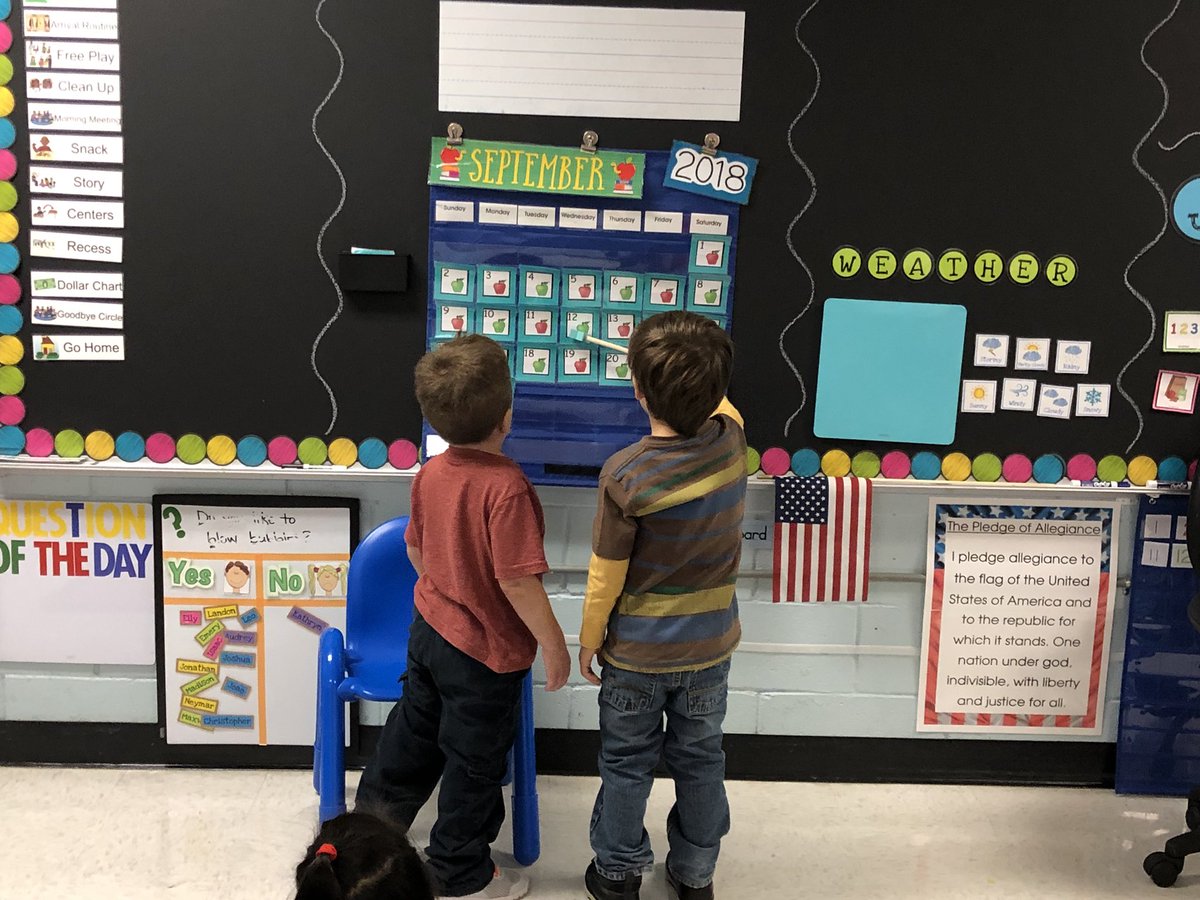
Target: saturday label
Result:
[68, 86]
[72, 55]
[71, 245]
[74, 116]
[67, 347]
[78, 314]
[78, 213]
[97, 285]
[86, 182]
[75, 148]
[72, 24]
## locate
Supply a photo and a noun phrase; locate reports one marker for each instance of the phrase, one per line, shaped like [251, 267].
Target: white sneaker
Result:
[505, 885]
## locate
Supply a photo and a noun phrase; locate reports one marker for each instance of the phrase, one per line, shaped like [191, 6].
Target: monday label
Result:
[75, 148]
[74, 86]
[71, 24]
[83, 182]
[66, 245]
[97, 285]
[74, 117]
[83, 55]
[78, 314]
[53, 213]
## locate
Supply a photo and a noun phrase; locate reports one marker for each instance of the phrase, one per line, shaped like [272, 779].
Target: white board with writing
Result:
[245, 594]
[76, 582]
[1018, 616]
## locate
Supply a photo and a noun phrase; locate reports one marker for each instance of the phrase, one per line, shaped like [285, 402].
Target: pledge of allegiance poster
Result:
[1018, 615]
[76, 583]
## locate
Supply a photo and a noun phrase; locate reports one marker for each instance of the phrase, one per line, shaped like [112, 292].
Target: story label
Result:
[71, 245]
[83, 182]
[79, 55]
[97, 285]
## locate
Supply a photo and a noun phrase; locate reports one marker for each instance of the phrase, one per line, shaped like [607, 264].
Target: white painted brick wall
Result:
[836, 685]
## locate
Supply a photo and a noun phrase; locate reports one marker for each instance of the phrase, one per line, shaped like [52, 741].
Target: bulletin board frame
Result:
[236, 755]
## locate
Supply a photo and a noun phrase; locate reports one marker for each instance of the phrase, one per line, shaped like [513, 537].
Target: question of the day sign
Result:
[72, 571]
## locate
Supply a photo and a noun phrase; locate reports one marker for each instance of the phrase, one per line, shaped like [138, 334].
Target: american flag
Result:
[822, 539]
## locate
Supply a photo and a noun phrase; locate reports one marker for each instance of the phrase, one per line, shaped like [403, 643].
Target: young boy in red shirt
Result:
[475, 539]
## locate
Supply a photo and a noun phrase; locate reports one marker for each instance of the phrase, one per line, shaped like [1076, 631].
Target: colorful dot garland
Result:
[12, 348]
[1016, 468]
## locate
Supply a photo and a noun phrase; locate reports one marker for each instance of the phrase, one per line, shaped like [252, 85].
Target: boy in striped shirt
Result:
[660, 609]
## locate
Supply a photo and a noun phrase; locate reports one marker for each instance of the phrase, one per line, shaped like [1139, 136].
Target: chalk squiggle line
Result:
[1180, 141]
[1161, 231]
[337, 289]
[812, 289]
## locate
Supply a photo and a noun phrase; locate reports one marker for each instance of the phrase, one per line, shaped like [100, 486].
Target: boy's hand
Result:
[557, 660]
[585, 665]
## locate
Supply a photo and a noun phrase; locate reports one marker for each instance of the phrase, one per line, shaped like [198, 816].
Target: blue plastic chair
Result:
[379, 612]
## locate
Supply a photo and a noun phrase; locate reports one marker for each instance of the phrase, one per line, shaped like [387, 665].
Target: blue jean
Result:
[632, 741]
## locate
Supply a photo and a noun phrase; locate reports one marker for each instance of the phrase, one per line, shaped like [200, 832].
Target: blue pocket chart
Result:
[889, 371]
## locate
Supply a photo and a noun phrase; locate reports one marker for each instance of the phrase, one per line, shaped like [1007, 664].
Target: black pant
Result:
[456, 721]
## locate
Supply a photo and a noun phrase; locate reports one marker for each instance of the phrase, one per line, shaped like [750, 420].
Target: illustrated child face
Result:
[236, 575]
[328, 578]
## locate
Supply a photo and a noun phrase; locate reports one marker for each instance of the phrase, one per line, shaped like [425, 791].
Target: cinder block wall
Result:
[804, 669]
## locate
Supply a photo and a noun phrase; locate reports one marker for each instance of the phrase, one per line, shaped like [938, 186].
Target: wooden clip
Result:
[454, 134]
[712, 141]
[590, 142]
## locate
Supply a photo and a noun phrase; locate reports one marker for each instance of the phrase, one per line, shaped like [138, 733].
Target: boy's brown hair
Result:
[464, 388]
[682, 363]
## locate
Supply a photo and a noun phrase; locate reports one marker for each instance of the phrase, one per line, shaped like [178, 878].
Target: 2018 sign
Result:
[722, 176]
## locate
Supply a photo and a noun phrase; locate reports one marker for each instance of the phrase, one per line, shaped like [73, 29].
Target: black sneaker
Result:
[683, 892]
[601, 888]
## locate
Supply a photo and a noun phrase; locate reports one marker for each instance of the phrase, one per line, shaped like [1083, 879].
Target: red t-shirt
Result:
[476, 521]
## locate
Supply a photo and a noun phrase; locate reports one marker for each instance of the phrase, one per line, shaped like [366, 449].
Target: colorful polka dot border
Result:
[373, 453]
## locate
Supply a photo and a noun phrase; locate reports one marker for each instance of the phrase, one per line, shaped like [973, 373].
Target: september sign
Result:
[76, 585]
[1017, 618]
[535, 168]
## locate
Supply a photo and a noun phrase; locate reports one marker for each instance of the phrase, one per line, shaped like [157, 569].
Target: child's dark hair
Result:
[238, 564]
[464, 388]
[681, 362]
[361, 856]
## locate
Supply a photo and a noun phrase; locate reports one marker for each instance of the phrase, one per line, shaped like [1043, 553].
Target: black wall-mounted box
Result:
[373, 273]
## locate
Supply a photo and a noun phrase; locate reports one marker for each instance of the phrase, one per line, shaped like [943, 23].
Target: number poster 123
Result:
[722, 176]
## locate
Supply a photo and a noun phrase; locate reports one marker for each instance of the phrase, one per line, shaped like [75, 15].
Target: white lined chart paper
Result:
[613, 62]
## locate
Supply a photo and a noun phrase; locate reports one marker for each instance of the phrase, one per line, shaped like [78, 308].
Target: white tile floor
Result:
[129, 834]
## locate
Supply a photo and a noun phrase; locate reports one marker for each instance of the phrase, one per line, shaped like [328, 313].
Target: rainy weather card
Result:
[1032, 354]
[1176, 391]
[1073, 357]
[1054, 401]
[991, 350]
[1091, 400]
